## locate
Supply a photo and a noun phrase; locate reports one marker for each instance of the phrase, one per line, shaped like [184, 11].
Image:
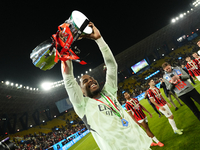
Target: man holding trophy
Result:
[110, 125]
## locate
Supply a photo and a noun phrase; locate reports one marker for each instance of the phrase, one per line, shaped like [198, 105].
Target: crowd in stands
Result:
[136, 84]
[44, 141]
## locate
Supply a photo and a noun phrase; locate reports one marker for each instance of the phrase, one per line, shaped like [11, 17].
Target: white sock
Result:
[173, 124]
[155, 139]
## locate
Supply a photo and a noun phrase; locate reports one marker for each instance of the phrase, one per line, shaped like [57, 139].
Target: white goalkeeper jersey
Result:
[105, 126]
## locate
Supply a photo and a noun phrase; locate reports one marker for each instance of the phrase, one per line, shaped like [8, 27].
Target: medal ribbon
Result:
[156, 92]
[135, 105]
[193, 64]
[111, 105]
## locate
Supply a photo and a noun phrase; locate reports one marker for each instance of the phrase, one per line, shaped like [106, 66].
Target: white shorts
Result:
[145, 119]
[198, 78]
[167, 111]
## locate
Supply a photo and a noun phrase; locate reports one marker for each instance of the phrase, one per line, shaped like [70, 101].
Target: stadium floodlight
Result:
[188, 11]
[54, 116]
[31, 125]
[154, 59]
[181, 15]
[16, 85]
[34, 89]
[81, 74]
[184, 14]
[173, 20]
[7, 82]
[20, 85]
[86, 71]
[18, 130]
[177, 18]
[43, 121]
[27, 87]
[2, 82]
[191, 9]
[31, 88]
[46, 85]
[12, 84]
[163, 54]
[37, 89]
[90, 69]
[78, 77]
[172, 48]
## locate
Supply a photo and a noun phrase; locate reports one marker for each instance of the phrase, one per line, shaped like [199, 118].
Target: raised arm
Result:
[111, 75]
[72, 87]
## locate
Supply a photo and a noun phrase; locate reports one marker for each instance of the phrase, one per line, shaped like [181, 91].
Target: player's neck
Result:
[152, 87]
[129, 99]
[96, 96]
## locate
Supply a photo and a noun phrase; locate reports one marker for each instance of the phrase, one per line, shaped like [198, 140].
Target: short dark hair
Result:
[187, 56]
[125, 92]
[194, 52]
[147, 82]
[165, 64]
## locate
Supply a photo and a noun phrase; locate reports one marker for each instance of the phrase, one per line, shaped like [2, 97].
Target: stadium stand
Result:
[136, 87]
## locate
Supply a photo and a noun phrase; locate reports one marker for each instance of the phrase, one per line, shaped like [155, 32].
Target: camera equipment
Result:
[171, 75]
[7, 145]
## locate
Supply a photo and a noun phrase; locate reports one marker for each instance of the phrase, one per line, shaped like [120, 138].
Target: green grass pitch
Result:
[184, 118]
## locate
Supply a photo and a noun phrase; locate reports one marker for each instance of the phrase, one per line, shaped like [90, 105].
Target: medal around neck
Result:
[124, 122]
[61, 45]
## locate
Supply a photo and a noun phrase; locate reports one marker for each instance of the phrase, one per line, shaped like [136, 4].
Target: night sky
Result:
[24, 25]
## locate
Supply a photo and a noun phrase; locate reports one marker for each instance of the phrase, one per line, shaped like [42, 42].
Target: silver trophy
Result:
[45, 54]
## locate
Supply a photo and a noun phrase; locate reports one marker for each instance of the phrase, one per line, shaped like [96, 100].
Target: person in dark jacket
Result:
[192, 78]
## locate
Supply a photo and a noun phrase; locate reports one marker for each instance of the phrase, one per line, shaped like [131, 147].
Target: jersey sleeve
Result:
[188, 68]
[150, 94]
[137, 101]
[73, 89]
[111, 73]
[127, 107]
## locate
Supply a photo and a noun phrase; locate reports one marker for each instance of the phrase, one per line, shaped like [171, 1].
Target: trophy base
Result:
[77, 19]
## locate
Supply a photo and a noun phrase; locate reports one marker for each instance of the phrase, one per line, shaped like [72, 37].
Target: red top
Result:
[193, 67]
[134, 106]
[155, 93]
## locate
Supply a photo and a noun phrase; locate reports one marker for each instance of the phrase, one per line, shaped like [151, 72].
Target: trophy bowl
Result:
[43, 55]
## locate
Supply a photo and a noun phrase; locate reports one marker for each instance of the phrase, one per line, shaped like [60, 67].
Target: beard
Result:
[94, 93]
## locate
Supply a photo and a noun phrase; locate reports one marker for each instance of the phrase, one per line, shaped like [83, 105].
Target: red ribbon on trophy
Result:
[64, 39]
